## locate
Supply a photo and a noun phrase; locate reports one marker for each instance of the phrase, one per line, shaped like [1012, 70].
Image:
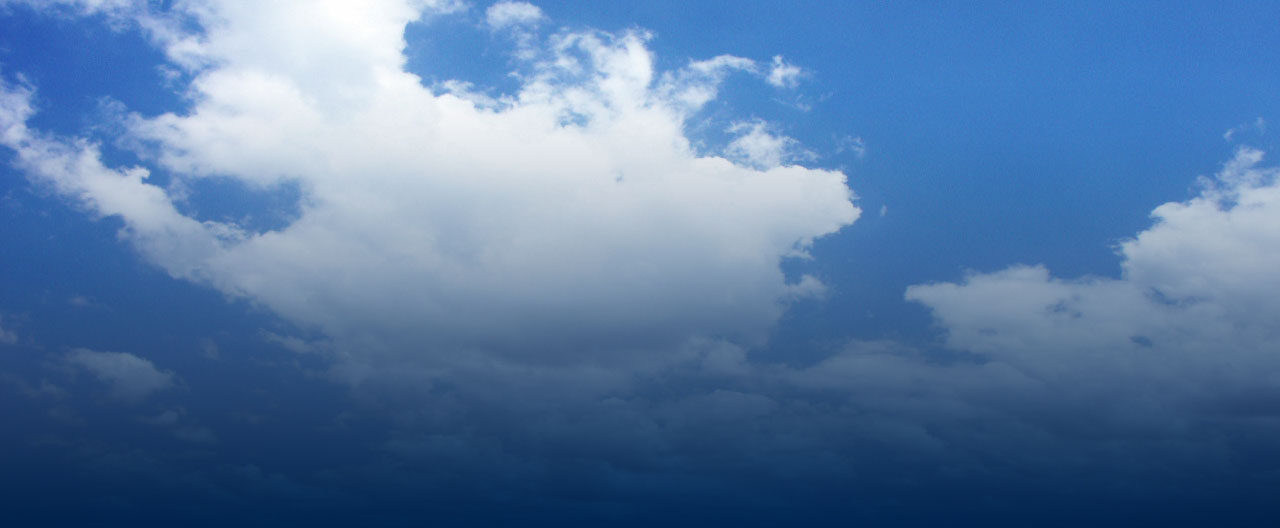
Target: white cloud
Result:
[571, 219]
[518, 20]
[1192, 316]
[1221, 247]
[697, 83]
[756, 146]
[503, 264]
[511, 14]
[1139, 376]
[128, 377]
[783, 74]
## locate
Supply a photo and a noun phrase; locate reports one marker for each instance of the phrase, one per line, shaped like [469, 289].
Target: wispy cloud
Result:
[757, 146]
[783, 74]
[129, 378]
[1257, 126]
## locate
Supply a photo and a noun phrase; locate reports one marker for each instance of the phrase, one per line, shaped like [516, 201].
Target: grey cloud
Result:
[129, 378]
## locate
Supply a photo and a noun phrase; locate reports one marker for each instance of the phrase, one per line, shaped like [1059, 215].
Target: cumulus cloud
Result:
[1157, 374]
[571, 218]
[557, 278]
[504, 256]
[129, 378]
[1192, 317]
[508, 14]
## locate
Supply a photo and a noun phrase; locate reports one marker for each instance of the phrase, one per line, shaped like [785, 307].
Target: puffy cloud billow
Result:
[1193, 318]
[570, 219]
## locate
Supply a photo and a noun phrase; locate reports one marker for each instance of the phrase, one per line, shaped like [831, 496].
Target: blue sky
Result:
[463, 263]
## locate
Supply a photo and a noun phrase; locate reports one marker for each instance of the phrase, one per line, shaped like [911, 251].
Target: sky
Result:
[754, 263]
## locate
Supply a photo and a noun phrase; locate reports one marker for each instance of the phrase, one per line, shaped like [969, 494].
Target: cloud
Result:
[128, 377]
[573, 221]
[1163, 376]
[852, 144]
[83, 7]
[518, 20]
[756, 146]
[512, 14]
[783, 74]
[554, 289]
[1258, 126]
[565, 252]
[1191, 317]
[696, 84]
